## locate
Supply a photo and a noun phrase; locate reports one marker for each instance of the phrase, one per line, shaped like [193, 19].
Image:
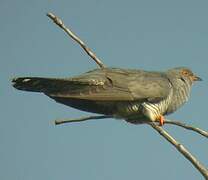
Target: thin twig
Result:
[202, 169]
[60, 23]
[189, 127]
[63, 121]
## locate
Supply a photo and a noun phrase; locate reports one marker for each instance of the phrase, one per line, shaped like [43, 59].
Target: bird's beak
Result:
[196, 78]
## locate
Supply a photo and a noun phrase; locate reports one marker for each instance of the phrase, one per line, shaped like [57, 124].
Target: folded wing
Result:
[109, 84]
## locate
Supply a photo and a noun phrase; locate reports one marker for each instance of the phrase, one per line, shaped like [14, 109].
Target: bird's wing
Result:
[153, 87]
[115, 85]
[93, 85]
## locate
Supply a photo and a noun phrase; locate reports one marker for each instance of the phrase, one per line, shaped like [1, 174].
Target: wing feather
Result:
[116, 85]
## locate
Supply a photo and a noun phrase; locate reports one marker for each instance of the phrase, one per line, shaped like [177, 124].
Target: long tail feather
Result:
[34, 84]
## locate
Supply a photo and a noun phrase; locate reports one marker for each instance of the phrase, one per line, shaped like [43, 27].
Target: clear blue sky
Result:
[144, 34]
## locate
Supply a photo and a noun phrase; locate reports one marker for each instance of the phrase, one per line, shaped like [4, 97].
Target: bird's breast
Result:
[180, 96]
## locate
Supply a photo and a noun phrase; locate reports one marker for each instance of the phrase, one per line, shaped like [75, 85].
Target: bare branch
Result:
[60, 23]
[63, 121]
[202, 169]
[189, 127]
[171, 122]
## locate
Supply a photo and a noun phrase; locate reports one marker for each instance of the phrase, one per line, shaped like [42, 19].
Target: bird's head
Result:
[184, 74]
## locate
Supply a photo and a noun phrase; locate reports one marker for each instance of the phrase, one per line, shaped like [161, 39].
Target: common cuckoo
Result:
[137, 96]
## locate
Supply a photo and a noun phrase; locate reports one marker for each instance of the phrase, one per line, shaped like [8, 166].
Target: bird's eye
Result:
[184, 72]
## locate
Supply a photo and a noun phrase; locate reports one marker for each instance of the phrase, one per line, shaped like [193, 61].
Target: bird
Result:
[136, 96]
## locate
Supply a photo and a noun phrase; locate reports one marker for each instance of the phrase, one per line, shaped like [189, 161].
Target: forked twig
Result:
[60, 23]
[176, 123]
[201, 168]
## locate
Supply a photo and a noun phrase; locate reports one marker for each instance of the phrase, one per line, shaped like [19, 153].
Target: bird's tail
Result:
[38, 84]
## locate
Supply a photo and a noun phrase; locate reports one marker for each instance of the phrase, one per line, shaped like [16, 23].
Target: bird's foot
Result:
[161, 120]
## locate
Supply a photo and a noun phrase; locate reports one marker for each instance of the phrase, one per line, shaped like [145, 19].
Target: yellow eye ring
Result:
[184, 72]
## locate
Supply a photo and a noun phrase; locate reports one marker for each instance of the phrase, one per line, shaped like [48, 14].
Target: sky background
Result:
[144, 34]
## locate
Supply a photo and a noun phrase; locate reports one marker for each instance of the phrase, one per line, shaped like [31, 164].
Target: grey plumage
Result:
[133, 95]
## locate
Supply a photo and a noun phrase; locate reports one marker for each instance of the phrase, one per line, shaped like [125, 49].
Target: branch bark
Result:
[202, 169]
[60, 23]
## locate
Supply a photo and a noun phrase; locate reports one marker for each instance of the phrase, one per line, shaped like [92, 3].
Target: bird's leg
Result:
[161, 120]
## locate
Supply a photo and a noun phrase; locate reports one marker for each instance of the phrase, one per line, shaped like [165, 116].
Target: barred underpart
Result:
[154, 110]
[181, 95]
